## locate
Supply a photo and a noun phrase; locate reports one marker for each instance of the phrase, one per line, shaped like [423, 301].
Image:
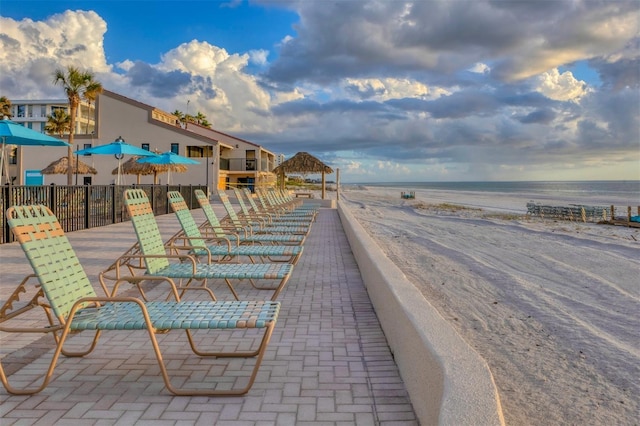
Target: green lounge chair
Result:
[71, 305]
[223, 247]
[268, 218]
[156, 256]
[257, 227]
[243, 234]
[269, 203]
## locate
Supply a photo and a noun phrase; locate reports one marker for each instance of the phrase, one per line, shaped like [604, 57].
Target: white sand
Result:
[553, 306]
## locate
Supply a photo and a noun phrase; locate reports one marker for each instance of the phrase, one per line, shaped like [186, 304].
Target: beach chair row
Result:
[182, 265]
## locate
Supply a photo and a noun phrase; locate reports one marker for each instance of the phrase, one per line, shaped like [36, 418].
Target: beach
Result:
[552, 306]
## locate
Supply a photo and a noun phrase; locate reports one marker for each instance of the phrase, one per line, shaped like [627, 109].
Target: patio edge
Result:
[447, 381]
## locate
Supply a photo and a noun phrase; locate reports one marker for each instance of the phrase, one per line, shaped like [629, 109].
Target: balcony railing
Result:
[239, 164]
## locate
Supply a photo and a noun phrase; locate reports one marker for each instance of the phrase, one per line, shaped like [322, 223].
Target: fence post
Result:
[87, 206]
[113, 204]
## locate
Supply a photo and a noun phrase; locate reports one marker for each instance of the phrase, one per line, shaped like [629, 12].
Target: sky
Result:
[384, 90]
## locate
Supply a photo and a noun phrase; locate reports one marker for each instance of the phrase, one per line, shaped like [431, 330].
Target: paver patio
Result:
[328, 361]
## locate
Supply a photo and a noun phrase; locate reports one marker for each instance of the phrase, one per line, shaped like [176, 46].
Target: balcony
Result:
[239, 164]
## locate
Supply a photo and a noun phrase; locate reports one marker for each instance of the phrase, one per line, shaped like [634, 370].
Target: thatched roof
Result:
[303, 162]
[61, 165]
[132, 167]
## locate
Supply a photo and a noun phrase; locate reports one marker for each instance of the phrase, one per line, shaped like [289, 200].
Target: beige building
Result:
[224, 159]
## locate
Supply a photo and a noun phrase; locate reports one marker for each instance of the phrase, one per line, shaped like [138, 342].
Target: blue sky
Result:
[383, 90]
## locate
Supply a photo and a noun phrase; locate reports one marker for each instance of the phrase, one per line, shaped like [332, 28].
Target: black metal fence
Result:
[90, 206]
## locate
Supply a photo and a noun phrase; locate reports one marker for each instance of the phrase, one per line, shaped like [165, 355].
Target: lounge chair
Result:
[272, 217]
[257, 227]
[269, 219]
[71, 305]
[243, 234]
[285, 197]
[156, 257]
[269, 202]
[224, 248]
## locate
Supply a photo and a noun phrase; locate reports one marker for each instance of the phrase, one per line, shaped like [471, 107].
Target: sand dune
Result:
[553, 306]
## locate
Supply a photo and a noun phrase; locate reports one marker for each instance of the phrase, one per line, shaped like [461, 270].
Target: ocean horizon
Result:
[600, 189]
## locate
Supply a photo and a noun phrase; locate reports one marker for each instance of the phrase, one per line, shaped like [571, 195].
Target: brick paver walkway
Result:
[328, 361]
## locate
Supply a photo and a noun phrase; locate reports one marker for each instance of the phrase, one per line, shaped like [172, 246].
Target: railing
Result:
[239, 164]
[90, 206]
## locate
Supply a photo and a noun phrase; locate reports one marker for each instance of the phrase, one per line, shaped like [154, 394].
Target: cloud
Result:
[387, 89]
[561, 87]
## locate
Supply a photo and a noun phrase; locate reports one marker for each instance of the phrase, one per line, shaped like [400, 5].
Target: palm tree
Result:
[75, 84]
[58, 123]
[90, 94]
[179, 114]
[5, 107]
[200, 117]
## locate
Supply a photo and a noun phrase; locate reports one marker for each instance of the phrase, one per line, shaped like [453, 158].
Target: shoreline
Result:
[548, 304]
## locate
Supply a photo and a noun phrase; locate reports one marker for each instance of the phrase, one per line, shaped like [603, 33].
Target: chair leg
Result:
[232, 392]
[48, 375]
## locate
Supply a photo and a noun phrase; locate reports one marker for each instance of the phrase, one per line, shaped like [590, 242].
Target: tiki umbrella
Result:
[118, 148]
[61, 166]
[133, 167]
[172, 161]
[303, 162]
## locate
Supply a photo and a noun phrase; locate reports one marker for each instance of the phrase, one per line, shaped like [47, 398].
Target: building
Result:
[241, 163]
[33, 114]
[224, 159]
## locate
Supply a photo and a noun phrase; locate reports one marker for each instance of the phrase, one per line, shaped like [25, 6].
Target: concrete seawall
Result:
[448, 382]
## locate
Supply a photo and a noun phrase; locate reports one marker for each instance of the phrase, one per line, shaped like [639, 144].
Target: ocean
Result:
[621, 189]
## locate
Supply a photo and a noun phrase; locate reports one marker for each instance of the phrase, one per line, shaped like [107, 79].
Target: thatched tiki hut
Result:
[132, 167]
[303, 162]
[61, 167]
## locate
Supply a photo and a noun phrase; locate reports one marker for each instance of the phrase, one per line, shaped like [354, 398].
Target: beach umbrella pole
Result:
[4, 168]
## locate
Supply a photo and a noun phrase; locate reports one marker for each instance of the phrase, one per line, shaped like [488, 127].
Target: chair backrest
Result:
[51, 256]
[224, 198]
[188, 224]
[243, 206]
[261, 197]
[271, 198]
[146, 227]
[251, 201]
[211, 216]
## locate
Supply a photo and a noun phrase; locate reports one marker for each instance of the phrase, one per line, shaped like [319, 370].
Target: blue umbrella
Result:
[16, 134]
[118, 148]
[169, 159]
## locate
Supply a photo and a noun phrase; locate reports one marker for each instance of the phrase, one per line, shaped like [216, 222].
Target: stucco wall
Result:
[448, 382]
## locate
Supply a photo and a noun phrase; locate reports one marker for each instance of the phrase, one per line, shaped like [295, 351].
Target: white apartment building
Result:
[224, 159]
[33, 113]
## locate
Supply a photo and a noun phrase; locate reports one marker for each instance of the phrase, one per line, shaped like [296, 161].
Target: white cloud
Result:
[480, 68]
[63, 38]
[561, 87]
[382, 89]
[259, 57]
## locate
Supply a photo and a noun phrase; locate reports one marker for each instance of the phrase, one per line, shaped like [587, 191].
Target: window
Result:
[43, 110]
[87, 146]
[54, 108]
[21, 110]
[145, 146]
[175, 148]
[13, 156]
[200, 151]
